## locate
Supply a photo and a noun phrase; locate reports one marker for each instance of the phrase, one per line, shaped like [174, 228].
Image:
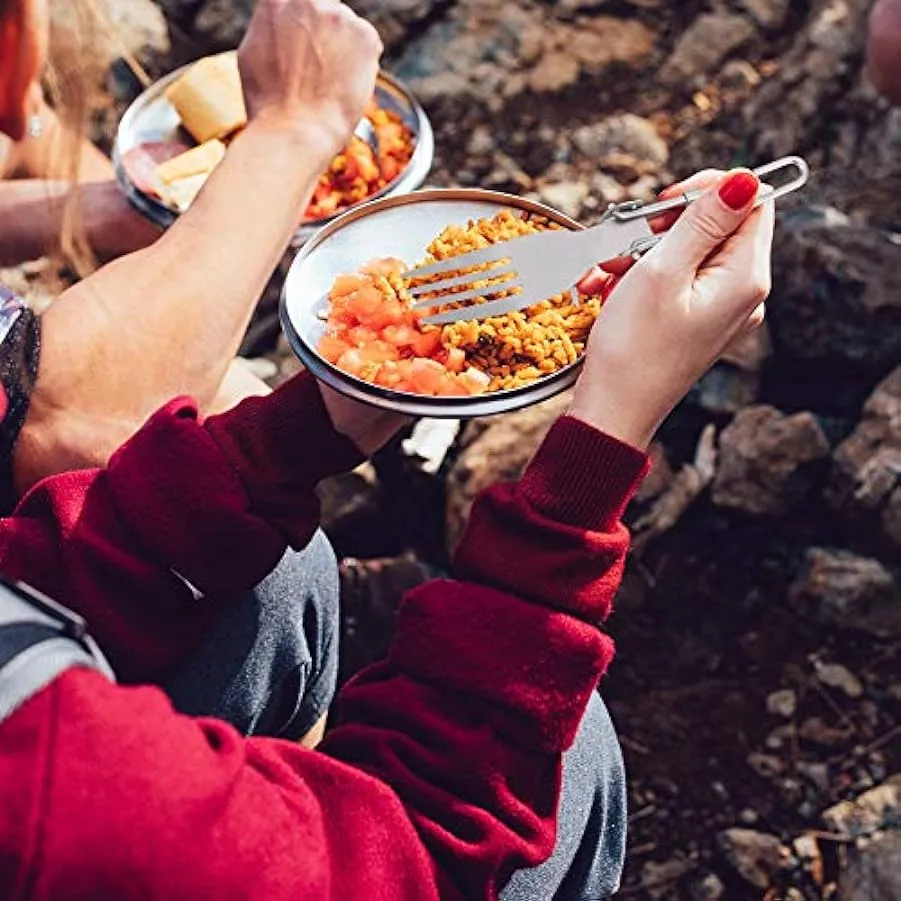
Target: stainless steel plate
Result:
[399, 227]
[153, 118]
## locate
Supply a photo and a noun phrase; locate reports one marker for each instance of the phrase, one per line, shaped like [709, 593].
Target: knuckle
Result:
[706, 225]
[656, 267]
[760, 290]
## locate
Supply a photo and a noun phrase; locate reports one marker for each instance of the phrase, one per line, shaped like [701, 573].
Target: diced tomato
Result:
[453, 387]
[375, 337]
[387, 267]
[427, 343]
[390, 312]
[360, 336]
[347, 284]
[388, 375]
[365, 301]
[378, 352]
[456, 359]
[351, 362]
[332, 348]
[475, 381]
[428, 375]
[400, 335]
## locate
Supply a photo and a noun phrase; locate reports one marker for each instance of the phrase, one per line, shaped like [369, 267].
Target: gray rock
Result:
[755, 856]
[708, 888]
[815, 773]
[725, 389]
[627, 134]
[704, 45]
[348, 497]
[879, 808]
[657, 878]
[842, 589]
[850, 271]
[834, 675]
[567, 197]
[481, 142]
[870, 869]
[867, 471]
[207, 26]
[782, 703]
[818, 732]
[812, 76]
[762, 455]
[767, 766]
[767, 13]
[555, 71]
[598, 41]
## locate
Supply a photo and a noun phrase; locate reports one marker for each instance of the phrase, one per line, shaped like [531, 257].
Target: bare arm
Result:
[32, 210]
[191, 294]
[168, 319]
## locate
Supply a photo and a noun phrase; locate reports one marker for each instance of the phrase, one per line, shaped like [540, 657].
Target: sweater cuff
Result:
[284, 441]
[534, 666]
[581, 477]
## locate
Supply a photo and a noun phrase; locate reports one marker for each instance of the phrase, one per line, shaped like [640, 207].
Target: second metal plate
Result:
[152, 118]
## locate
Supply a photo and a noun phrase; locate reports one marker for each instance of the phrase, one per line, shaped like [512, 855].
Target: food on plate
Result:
[141, 162]
[372, 332]
[208, 98]
[210, 104]
[180, 178]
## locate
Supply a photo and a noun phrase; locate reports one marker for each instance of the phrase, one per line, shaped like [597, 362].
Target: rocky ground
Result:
[757, 686]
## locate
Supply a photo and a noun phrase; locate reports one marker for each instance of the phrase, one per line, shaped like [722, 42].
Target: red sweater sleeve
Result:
[216, 503]
[442, 778]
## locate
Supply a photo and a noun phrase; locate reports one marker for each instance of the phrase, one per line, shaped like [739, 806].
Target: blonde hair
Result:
[73, 82]
[70, 81]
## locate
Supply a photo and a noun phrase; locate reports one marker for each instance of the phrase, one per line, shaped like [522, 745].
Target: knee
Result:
[302, 590]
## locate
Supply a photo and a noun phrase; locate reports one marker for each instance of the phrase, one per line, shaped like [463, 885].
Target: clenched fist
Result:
[309, 64]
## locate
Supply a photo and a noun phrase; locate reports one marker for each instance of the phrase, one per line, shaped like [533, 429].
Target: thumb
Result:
[711, 219]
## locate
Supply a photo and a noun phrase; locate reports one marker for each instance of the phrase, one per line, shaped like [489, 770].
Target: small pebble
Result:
[782, 703]
[834, 675]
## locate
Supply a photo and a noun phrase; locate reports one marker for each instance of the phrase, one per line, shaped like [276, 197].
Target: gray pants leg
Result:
[270, 665]
[270, 668]
[587, 862]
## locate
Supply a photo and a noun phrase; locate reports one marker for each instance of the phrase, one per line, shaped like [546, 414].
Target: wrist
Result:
[612, 414]
[316, 140]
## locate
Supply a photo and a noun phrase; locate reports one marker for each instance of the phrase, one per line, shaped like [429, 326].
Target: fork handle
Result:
[643, 245]
[626, 212]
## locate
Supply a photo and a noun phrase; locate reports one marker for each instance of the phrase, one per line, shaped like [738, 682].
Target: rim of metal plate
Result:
[299, 304]
[151, 118]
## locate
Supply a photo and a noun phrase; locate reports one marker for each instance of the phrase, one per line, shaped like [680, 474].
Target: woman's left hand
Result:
[368, 427]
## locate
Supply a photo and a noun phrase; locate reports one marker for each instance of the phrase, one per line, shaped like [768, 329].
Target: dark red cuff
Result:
[582, 477]
[535, 666]
[281, 443]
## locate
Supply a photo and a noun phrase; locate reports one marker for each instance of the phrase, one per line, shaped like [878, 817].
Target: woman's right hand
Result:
[309, 65]
[675, 312]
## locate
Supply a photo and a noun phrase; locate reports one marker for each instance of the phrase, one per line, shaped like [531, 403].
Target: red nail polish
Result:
[739, 189]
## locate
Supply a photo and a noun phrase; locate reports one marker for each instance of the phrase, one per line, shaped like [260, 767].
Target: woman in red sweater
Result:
[442, 775]
[80, 379]
[263, 659]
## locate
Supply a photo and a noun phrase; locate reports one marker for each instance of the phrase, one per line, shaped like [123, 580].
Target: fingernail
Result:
[739, 189]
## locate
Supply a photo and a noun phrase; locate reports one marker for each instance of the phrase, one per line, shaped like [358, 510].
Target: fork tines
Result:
[481, 272]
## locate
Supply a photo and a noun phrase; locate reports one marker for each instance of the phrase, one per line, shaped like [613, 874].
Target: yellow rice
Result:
[522, 346]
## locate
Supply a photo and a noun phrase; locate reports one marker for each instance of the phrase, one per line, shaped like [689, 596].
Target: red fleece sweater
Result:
[443, 774]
